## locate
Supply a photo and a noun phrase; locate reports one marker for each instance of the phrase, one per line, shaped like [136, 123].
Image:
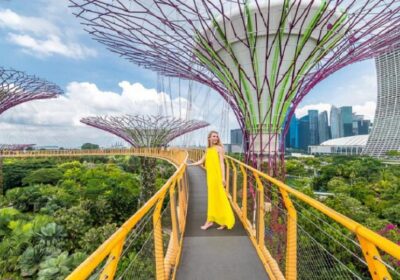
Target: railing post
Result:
[291, 239]
[234, 184]
[113, 259]
[158, 240]
[170, 258]
[181, 194]
[226, 175]
[260, 227]
[244, 193]
[376, 268]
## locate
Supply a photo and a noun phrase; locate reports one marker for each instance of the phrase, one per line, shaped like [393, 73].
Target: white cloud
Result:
[367, 109]
[38, 26]
[41, 37]
[303, 111]
[56, 121]
[52, 45]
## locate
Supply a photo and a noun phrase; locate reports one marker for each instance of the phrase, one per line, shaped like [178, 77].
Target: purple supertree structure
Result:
[145, 131]
[16, 87]
[15, 147]
[262, 57]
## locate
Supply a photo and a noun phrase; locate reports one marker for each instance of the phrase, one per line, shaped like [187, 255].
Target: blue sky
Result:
[42, 37]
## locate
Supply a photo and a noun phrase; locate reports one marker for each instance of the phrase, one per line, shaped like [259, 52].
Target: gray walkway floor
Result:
[214, 254]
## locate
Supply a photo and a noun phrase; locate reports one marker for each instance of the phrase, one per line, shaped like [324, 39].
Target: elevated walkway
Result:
[214, 254]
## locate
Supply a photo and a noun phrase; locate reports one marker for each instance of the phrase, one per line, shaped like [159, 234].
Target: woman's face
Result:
[214, 138]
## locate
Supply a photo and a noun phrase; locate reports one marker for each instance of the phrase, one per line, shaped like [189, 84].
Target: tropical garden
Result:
[364, 189]
[55, 212]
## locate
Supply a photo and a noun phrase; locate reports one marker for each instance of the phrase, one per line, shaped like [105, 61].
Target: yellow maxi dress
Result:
[218, 208]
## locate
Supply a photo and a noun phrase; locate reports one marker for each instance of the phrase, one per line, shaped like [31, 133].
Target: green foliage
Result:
[43, 176]
[295, 168]
[393, 153]
[76, 221]
[89, 146]
[393, 213]
[46, 199]
[15, 170]
[58, 267]
[51, 234]
[94, 237]
[30, 260]
[46, 230]
[6, 216]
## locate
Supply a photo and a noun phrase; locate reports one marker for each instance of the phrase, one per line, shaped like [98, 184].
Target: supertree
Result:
[262, 57]
[15, 147]
[145, 131]
[16, 87]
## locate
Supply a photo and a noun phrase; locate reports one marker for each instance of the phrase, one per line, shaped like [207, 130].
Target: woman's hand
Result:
[223, 182]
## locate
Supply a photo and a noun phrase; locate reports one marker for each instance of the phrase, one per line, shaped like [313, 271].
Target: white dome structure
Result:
[352, 145]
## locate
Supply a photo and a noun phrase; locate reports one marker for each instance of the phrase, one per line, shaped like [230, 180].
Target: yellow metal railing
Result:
[176, 190]
[369, 241]
[78, 152]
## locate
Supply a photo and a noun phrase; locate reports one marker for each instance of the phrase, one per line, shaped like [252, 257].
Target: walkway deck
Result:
[214, 254]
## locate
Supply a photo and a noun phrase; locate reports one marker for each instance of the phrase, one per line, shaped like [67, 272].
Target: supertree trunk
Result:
[148, 177]
[1, 176]
[265, 151]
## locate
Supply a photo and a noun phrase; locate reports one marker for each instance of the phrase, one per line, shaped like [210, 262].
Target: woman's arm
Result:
[201, 161]
[221, 153]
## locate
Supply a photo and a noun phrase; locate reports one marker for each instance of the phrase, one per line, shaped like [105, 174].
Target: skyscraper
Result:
[385, 134]
[292, 136]
[236, 137]
[304, 132]
[360, 126]
[323, 128]
[346, 117]
[314, 134]
[336, 128]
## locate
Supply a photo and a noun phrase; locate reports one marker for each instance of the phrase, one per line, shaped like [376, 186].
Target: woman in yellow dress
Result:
[218, 208]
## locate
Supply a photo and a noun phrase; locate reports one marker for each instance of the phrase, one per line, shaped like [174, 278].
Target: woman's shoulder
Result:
[220, 148]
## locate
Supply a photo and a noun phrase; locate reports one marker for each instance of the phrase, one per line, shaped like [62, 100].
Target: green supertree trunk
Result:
[1, 176]
[148, 174]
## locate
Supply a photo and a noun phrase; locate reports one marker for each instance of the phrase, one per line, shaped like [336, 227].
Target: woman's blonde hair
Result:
[209, 141]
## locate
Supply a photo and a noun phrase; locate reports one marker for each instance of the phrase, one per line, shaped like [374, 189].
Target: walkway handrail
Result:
[75, 152]
[368, 239]
[165, 264]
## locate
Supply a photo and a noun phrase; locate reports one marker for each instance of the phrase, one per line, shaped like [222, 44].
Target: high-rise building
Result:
[236, 145]
[363, 128]
[385, 134]
[304, 132]
[292, 136]
[336, 128]
[346, 117]
[236, 137]
[360, 126]
[323, 127]
[357, 119]
[314, 133]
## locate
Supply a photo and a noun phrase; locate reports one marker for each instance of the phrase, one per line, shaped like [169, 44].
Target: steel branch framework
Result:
[262, 57]
[144, 131]
[15, 147]
[16, 87]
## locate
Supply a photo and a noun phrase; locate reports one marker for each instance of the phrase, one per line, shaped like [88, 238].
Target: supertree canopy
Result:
[15, 147]
[261, 56]
[17, 87]
[144, 131]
